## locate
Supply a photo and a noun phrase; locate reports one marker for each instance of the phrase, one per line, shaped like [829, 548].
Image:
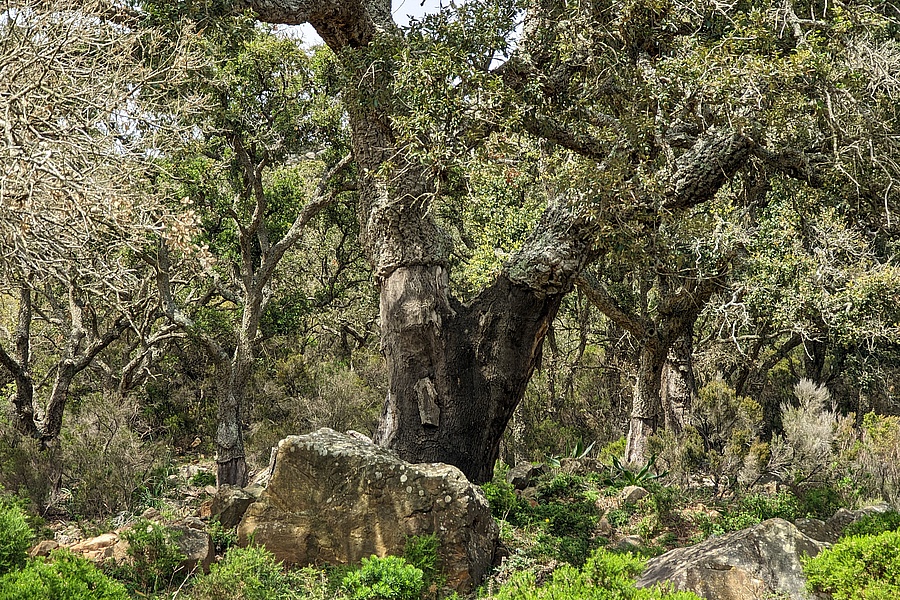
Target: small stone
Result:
[151, 514]
[630, 543]
[604, 528]
[43, 548]
[633, 493]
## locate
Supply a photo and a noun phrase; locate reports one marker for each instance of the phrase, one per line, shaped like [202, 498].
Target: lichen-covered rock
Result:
[523, 475]
[749, 564]
[336, 499]
[229, 505]
[197, 546]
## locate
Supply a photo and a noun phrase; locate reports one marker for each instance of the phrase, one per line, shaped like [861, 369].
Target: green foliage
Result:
[155, 558]
[254, 574]
[622, 475]
[63, 576]
[821, 502]
[753, 509]
[605, 576]
[421, 552]
[15, 536]
[619, 517]
[387, 578]
[874, 524]
[857, 567]
[223, 538]
[722, 440]
[203, 478]
[501, 498]
[563, 517]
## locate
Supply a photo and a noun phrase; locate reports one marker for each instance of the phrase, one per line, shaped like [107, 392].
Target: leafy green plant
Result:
[857, 567]
[421, 552]
[155, 558]
[63, 576]
[253, 574]
[501, 498]
[577, 452]
[15, 536]
[387, 578]
[605, 576]
[622, 475]
[619, 517]
[223, 537]
[751, 510]
[874, 524]
[203, 479]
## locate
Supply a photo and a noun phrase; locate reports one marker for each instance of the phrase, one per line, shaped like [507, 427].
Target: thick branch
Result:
[340, 23]
[601, 298]
[320, 200]
[558, 249]
[176, 315]
[701, 171]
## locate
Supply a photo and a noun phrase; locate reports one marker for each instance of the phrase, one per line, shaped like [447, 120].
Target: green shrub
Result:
[874, 524]
[203, 479]
[421, 552]
[63, 577]
[155, 558]
[501, 498]
[821, 502]
[605, 576]
[754, 509]
[15, 536]
[388, 578]
[254, 574]
[857, 567]
[223, 537]
[564, 517]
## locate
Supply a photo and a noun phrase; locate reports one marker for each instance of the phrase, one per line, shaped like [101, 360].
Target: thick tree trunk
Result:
[457, 373]
[678, 384]
[231, 461]
[646, 410]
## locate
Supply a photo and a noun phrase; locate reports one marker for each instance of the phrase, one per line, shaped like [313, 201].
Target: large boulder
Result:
[336, 499]
[757, 562]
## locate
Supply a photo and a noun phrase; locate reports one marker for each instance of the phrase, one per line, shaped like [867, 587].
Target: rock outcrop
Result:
[335, 499]
[753, 563]
[192, 539]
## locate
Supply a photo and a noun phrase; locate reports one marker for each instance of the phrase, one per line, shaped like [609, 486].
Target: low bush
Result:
[857, 567]
[155, 558]
[564, 517]
[15, 536]
[388, 578]
[254, 574]
[751, 510]
[873, 524]
[63, 576]
[605, 576]
[421, 552]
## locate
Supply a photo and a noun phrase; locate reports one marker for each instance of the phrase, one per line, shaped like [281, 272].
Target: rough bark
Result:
[679, 388]
[458, 372]
[646, 410]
